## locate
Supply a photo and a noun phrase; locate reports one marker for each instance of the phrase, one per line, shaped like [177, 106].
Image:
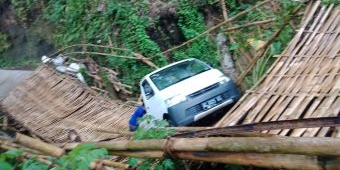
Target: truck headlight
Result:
[175, 100]
[223, 79]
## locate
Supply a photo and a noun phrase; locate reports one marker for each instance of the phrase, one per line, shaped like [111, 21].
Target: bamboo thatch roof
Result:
[304, 82]
[52, 106]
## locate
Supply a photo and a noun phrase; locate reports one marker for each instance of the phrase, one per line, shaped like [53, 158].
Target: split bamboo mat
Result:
[53, 106]
[304, 82]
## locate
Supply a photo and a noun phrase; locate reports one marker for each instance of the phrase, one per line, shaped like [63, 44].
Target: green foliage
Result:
[8, 159]
[4, 44]
[33, 164]
[329, 2]
[85, 74]
[6, 62]
[80, 21]
[281, 13]
[150, 128]
[78, 159]
[24, 7]
[165, 164]
[192, 24]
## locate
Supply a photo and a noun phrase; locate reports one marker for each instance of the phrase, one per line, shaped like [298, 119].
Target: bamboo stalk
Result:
[268, 160]
[224, 10]
[110, 163]
[277, 161]
[280, 145]
[115, 131]
[139, 154]
[39, 145]
[185, 130]
[282, 124]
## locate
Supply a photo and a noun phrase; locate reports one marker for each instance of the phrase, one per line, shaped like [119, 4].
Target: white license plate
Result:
[211, 102]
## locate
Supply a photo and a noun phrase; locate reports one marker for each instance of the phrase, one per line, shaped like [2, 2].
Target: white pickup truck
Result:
[186, 91]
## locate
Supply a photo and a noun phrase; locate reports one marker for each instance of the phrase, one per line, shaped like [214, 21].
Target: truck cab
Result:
[186, 91]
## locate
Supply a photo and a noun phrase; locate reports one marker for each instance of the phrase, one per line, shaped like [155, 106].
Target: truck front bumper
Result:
[203, 103]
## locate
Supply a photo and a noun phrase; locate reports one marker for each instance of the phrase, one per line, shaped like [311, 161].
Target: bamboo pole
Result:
[180, 130]
[139, 154]
[280, 145]
[39, 145]
[277, 161]
[109, 163]
[267, 160]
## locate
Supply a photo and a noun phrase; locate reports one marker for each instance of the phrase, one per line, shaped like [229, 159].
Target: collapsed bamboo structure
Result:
[303, 83]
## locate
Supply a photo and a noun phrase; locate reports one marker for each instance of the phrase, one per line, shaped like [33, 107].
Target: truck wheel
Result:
[167, 118]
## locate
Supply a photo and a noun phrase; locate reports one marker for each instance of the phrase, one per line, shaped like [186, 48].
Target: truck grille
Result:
[194, 110]
[197, 93]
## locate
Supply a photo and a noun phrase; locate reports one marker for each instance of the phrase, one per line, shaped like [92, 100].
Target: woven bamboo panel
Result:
[50, 105]
[303, 83]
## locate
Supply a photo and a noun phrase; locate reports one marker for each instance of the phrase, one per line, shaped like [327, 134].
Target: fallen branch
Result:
[84, 45]
[249, 24]
[103, 54]
[145, 60]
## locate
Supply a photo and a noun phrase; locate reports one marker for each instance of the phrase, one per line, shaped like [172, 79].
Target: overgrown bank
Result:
[151, 27]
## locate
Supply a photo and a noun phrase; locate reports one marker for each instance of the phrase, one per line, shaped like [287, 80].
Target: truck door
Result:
[154, 104]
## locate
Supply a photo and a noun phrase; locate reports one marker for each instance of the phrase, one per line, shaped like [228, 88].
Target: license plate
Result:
[211, 102]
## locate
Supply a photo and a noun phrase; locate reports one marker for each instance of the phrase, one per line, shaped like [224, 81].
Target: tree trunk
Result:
[227, 62]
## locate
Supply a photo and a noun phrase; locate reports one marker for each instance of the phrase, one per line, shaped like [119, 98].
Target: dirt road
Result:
[9, 79]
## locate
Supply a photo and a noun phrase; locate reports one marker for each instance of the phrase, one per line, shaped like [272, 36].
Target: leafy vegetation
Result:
[79, 158]
[151, 128]
[4, 44]
[127, 24]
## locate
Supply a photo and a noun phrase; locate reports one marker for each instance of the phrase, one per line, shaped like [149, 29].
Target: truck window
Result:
[177, 73]
[147, 89]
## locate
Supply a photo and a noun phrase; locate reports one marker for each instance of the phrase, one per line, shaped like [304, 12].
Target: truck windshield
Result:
[177, 73]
